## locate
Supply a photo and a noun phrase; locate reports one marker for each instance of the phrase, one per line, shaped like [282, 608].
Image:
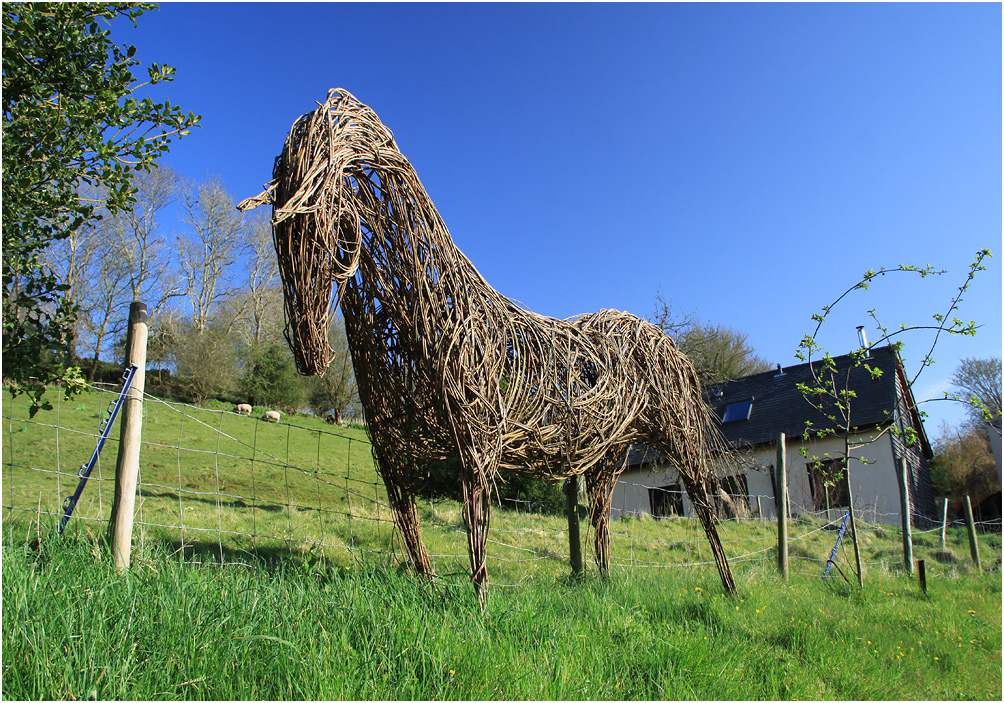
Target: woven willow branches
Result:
[448, 367]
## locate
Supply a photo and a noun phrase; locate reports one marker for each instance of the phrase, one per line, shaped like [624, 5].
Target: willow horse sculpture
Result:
[448, 367]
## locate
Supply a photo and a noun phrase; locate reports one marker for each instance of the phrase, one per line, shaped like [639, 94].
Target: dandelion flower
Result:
[698, 589]
[937, 659]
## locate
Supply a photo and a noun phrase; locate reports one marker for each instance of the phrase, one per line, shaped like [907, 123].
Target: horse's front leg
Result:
[398, 475]
[600, 483]
[477, 519]
[402, 502]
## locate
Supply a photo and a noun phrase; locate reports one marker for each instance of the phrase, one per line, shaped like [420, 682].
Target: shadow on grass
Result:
[257, 504]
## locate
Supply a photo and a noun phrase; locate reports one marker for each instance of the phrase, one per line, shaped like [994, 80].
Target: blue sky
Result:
[750, 161]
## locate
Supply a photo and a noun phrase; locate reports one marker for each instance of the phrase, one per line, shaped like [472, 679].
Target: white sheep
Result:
[244, 409]
[271, 415]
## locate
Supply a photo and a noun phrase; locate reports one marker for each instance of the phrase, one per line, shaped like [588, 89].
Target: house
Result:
[752, 410]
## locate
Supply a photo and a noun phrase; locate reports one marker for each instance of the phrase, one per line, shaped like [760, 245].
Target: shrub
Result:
[270, 379]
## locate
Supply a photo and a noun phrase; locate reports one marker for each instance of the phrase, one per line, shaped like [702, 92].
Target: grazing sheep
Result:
[243, 409]
[271, 415]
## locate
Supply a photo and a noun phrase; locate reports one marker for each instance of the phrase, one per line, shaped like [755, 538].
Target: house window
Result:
[666, 501]
[834, 495]
[739, 410]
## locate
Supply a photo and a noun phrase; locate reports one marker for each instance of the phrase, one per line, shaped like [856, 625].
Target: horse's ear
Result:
[263, 198]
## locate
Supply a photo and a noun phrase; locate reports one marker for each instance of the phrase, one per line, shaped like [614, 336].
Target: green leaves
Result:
[69, 118]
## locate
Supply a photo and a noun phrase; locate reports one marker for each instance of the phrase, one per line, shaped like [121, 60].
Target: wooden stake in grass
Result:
[974, 549]
[127, 464]
[944, 522]
[904, 502]
[781, 491]
[572, 511]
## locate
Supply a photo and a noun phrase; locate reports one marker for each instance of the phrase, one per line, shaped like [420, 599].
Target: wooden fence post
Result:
[904, 506]
[974, 549]
[572, 511]
[127, 463]
[944, 522]
[781, 491]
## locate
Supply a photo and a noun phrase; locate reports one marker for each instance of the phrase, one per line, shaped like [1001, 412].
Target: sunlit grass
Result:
[75, 628]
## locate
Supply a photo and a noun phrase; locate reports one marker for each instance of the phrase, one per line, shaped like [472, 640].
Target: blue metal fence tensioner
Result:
[106, 427]
[840, 535]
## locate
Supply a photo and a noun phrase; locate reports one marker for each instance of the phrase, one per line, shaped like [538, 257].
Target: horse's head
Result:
[316, 219]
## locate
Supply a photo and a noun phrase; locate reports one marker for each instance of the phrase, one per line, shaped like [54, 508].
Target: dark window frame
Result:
[738, 410]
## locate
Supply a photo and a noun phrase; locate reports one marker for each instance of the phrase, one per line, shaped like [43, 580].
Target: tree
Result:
[980, 381]
[335, 392]
[718, 352]
[264, 305]
[139, 245]
[205, 359]
[831, 393]
[963, 462]
[70, 259]
[104, 305]
[270, 378]
[69, 117]
[216, 242]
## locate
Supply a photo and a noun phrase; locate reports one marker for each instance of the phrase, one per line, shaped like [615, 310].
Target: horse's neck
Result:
[416, 276]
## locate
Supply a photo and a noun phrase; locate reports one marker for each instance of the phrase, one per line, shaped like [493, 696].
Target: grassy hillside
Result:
[232, 488]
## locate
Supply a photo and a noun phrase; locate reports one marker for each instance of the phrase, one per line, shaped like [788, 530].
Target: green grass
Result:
[325, 609]
[76, 628]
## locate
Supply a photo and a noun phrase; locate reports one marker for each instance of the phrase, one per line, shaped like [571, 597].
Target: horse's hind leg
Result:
[402, 502]
[600, 482]
[699, 497]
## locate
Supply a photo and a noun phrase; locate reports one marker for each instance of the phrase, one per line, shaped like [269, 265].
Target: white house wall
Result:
[631, 496]
[874, 483]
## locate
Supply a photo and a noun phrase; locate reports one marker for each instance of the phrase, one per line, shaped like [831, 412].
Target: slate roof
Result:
[778, 405]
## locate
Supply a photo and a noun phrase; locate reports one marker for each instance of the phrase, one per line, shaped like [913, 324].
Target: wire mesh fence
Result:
[232, 489]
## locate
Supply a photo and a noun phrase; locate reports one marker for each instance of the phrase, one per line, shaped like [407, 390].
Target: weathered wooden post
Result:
[781, 491]
[904, 506]
[944, 522]
[572, 510]
[974, 549]
[922, 575]
[127, 463]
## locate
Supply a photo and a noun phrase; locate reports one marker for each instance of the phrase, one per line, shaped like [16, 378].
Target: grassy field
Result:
[232, 488]
[324, 609]
[75, 628]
